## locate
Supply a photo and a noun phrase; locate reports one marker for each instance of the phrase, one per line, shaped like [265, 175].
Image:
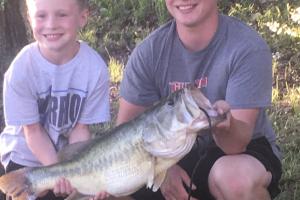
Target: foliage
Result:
[286, 122]
[115, 70]
[117, 26]
[2, 2]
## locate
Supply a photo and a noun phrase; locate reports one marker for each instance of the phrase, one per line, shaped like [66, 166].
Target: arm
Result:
[234, 134]
[128, 111]
[36, 136]
[80, 133]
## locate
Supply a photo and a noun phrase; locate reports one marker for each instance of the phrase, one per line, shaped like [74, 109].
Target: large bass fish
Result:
[130, 156]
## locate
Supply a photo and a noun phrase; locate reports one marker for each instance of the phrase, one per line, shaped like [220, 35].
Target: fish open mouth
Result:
[205, 116]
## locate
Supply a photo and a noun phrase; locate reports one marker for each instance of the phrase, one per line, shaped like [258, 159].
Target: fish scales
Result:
[116, 164]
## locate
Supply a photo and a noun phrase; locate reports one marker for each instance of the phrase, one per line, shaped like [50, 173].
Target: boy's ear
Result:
[84, 17]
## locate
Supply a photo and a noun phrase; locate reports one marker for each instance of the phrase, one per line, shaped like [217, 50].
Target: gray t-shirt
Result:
[58, 97]
[236, 66]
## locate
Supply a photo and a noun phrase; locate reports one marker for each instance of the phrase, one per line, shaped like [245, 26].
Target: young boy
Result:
[54, 88]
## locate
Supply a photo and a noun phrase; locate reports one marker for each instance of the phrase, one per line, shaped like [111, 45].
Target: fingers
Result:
[173, 188]
[62, 187]
[221, 107]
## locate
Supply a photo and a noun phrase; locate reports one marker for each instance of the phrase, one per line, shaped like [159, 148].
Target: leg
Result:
[258, 169]
[239, 177]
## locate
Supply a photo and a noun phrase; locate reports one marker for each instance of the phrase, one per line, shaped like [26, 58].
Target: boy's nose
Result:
[51, 22]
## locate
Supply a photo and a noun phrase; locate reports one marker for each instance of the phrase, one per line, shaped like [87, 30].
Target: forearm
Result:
[79, 133]
[36, 137]
[235, 133]
[235, 139]
[128, 111]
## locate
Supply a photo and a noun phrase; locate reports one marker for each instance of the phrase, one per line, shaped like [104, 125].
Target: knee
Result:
[236, 186]
[233, 182]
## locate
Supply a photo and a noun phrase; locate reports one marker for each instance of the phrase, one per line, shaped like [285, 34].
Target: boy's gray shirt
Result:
[58, 97]
[236, 66]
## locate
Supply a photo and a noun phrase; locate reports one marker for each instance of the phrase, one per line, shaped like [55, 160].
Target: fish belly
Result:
[120, 177]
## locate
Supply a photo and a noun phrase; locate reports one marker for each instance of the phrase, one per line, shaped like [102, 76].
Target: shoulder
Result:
[25, 54]
[158, 37]
[19, 65]
[90, 54]
[91, 58]
[243, 35]
[92, 66]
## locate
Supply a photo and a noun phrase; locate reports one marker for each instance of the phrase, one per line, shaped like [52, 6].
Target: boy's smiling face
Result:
[55, 23]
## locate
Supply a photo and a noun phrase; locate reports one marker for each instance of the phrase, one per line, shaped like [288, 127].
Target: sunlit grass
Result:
[285, 115]
[116, 69]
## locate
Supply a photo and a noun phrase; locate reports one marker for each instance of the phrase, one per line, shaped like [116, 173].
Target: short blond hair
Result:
[83, 4]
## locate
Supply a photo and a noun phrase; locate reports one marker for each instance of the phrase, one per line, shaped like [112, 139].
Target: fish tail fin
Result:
[16, 184]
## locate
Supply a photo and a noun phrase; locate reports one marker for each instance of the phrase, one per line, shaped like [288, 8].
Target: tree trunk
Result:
[13, 35]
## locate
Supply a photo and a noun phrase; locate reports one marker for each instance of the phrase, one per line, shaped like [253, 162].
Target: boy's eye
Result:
[62, 15]
[40, 16]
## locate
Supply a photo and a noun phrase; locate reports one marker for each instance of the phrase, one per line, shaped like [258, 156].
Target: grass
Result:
[285, 115]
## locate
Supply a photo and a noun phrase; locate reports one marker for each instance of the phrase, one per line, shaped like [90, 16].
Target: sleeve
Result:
[19, 100]
[138, 84]
[250, 82]
[96, 108]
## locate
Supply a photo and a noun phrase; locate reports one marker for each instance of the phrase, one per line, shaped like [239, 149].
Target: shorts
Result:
[258, 148]
[49, 196]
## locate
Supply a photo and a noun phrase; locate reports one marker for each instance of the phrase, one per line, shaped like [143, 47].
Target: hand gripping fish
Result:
[130, 156]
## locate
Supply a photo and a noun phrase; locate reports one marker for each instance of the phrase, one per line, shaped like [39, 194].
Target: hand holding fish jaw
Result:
[223, 108]
[172, 188]
[234, 134]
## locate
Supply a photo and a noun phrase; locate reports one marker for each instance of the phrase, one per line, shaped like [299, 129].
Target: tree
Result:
[13, 34]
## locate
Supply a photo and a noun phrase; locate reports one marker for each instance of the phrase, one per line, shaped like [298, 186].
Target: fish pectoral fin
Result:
[75, 195]
[158, 180]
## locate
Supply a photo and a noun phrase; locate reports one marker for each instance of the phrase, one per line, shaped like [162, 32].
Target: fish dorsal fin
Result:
[158, 180]
[71, 150]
